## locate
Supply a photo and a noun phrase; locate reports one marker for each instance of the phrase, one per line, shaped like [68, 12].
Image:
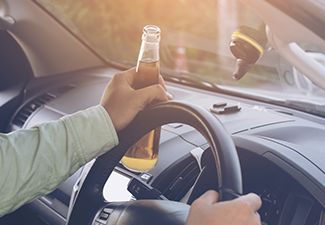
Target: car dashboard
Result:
[280, 149]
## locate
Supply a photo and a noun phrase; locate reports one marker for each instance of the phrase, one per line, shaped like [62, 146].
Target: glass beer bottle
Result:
[143, 155]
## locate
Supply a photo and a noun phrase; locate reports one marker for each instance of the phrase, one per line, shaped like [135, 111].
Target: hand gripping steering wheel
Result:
[90, 202]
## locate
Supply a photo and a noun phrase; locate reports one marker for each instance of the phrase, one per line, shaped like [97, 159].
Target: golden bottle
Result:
[143, 155]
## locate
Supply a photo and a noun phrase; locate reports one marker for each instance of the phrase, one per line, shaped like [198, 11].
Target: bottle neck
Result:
[149, 51]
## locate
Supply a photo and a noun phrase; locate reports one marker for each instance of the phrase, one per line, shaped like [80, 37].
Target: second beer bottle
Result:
[143, 155]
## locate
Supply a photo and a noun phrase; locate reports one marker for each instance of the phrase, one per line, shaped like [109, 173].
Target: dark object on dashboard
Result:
[226, 109]
[247, 45]
[219, 104]
[141, 190]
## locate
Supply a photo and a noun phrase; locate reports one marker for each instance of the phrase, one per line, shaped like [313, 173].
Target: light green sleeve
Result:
[36, 161]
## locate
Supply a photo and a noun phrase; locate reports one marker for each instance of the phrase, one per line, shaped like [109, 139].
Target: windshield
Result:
[195, 37]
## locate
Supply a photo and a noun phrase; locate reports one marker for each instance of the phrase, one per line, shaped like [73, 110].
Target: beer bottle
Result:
[143, 155]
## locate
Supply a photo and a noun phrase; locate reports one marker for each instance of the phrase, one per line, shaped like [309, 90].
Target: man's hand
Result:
[207, 210]
[123, 103]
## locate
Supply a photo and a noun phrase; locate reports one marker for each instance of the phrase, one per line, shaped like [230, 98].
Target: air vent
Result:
[24, 113]
[175, 182]
[31, 107]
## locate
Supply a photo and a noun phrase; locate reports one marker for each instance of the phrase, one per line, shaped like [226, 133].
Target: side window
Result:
[306, 86]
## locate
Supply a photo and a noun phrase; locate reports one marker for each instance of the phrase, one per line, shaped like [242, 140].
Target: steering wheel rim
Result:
[89, 198]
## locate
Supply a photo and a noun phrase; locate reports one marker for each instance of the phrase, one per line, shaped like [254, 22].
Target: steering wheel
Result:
[90, 203]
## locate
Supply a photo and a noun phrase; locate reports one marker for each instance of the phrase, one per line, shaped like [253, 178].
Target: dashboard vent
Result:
[25, 112]
[175, 182]
[31, 107]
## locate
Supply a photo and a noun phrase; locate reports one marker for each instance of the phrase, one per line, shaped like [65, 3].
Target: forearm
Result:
[36, 161]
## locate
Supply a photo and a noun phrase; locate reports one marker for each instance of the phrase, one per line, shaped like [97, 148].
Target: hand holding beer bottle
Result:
[143, 155]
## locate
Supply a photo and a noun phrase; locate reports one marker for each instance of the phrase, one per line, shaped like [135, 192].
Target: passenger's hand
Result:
[123, 103]
[207, 210]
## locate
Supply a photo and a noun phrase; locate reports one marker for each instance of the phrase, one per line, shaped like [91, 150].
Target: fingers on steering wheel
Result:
[252, 200]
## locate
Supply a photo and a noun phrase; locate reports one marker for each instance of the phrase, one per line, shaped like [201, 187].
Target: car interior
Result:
[49, 69]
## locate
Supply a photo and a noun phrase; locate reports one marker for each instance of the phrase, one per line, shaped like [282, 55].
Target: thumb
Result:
[210, 197]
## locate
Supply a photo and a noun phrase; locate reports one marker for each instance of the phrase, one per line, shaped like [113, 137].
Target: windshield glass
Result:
[195, 37]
